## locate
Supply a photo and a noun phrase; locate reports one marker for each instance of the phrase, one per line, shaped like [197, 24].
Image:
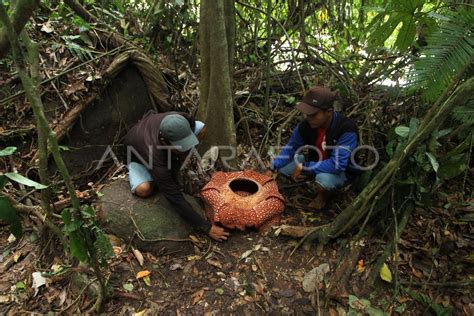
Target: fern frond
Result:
[83, 53]
[464, 113]
[450, 50]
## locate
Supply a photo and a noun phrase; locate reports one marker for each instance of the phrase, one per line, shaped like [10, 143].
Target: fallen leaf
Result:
[313, 278]
[16, 256]
[215, 263]
[62, 297]
[128, 287]
[385, 273]
[38, 281]
[47, 28]
[403, 299]
[333, 312]
[259, 287]
[5, 299]
[360, 266]
[246, 254]
[56, 268]
[194, 257]
[117, 250]
[176, 266]
[147, 280]
[417, 273]
[11, 238]
[194, 239]
[140, 313]
[196, 297]
[278, 231]
[143, 274]
[20, 285]
[139, 256]
[72, 88]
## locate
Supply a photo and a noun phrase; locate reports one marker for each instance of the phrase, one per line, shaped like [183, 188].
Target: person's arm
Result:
[339, 159]
[286, 154]
[172, 192]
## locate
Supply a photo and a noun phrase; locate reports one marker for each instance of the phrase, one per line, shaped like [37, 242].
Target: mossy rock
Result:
[150, 223]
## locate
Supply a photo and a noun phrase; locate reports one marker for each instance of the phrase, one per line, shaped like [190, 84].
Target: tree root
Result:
[38, 212]
[338, 282]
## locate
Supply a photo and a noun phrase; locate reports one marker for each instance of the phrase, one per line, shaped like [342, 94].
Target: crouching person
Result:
[166, 138]
[327, 137]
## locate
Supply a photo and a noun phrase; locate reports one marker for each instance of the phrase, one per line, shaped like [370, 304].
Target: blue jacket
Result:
[341, 137]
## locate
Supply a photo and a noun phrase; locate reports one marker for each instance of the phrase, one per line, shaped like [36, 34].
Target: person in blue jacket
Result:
[320, 146]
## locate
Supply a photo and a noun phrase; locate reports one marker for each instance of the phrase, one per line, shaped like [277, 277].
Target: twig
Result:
[9, 98]
[54, 87]
[467, 283]
[287, 37]
[260, 267]
[78, 296]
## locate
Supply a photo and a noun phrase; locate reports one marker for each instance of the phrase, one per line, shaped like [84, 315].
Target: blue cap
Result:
[175, 128]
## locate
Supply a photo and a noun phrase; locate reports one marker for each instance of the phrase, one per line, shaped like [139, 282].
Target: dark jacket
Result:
[341, 135]
[144, 146]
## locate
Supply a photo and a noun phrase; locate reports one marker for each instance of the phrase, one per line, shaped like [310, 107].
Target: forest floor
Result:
[253, 273]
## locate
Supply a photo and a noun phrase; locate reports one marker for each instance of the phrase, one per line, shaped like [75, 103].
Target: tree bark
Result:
[20, 15]
[217, 33]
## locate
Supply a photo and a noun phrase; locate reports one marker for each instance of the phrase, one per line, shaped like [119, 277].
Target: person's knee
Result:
[330, 181]
[144, 189]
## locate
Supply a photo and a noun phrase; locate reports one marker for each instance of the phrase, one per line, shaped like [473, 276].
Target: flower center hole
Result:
[243, 187]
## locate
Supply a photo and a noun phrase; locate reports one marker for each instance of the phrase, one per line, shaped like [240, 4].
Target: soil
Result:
[249, 274]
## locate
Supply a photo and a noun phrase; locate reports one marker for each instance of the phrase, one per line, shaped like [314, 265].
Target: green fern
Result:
[77, 50]
[464, 113]
[449, 52]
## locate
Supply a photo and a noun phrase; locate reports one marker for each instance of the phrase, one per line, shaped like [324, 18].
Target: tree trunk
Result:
[217, 33]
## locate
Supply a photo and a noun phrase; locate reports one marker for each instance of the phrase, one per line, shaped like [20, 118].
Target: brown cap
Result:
[317, 98]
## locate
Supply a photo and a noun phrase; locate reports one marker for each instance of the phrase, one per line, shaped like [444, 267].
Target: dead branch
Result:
[294, 231]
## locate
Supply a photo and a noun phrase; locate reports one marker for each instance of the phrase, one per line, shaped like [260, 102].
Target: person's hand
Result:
[268, 173]
[296, 175]
[218, 233]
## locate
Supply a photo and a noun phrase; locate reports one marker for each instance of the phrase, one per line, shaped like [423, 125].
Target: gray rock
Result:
[150, 224]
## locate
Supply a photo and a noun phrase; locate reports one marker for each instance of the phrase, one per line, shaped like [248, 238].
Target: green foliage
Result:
[23, 180]
[449, 52]
[456, 161]
[72, 229]
[465, 113]
[439, 310]
[384, 24]
[7, 151]
[9, 214]
[102, 245]
[76, 49]
[81, 228]
[3, 181]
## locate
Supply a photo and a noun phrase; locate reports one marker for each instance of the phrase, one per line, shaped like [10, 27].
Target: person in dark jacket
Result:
[320, 146]
[156, 143]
